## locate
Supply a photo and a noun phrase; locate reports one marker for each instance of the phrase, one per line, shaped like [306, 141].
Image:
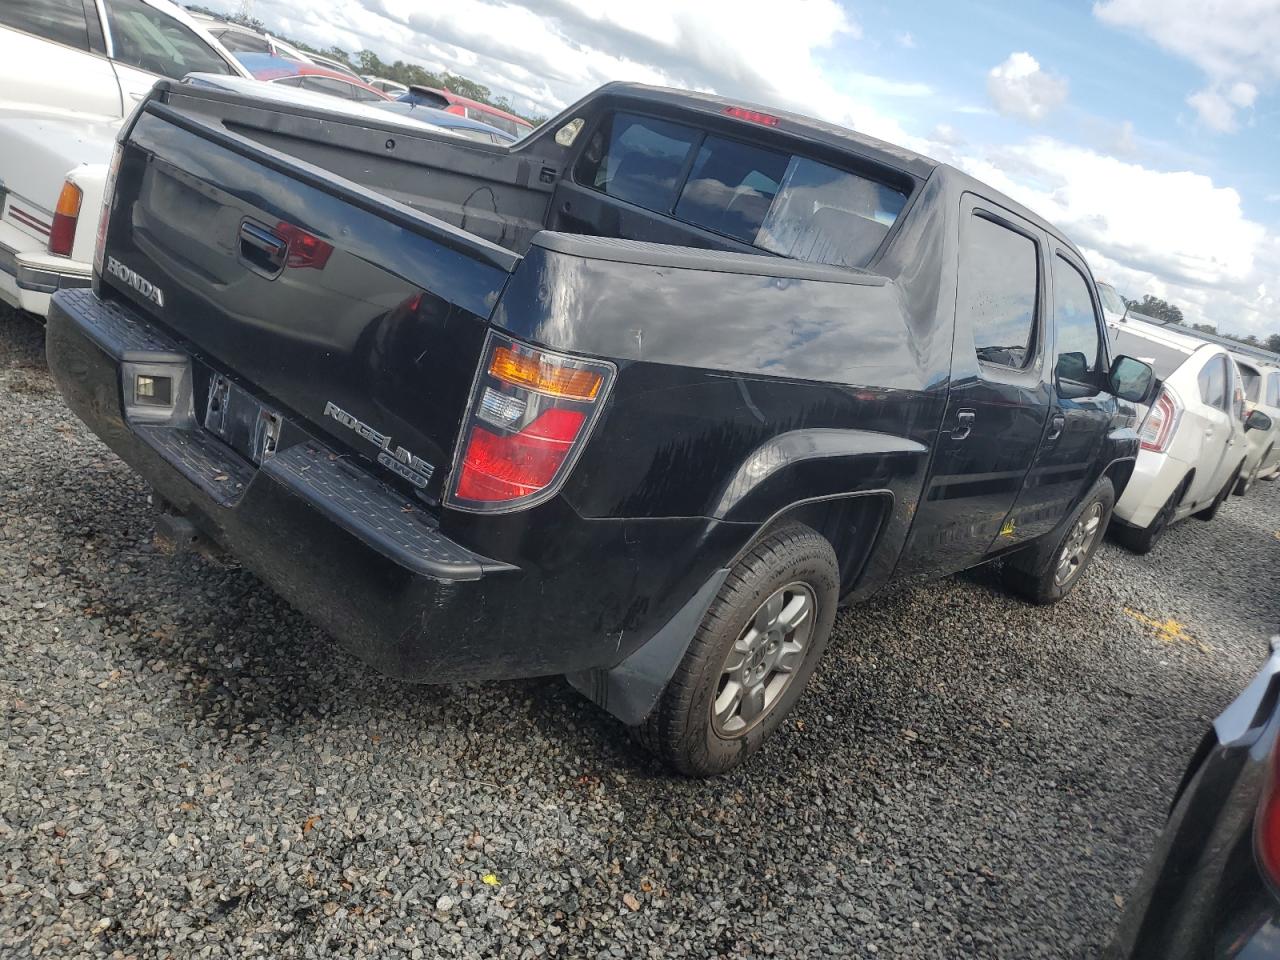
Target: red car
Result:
[308, 76]
[466, 107]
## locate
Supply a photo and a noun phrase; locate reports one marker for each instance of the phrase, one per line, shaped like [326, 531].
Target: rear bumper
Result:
[1155, 477]
[28, 277]
[364, 561]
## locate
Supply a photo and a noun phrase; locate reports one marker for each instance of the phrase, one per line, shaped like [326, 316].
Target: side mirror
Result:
[1257, 421]
[1133, 380]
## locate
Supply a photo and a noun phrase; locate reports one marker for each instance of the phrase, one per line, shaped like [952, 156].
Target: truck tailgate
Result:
[305, 290]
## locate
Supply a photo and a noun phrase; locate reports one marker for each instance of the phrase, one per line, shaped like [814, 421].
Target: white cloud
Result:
[1235, 43]
[907, 40]
[946, 133]
[1172, 234]
[1176, 234]
[1019, 88]
[1214, 110]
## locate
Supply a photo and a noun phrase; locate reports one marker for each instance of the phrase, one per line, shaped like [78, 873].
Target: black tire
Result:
[1142, 540]
[1211, 511]
[681, 729]
[1244, 484]
[1033, 573]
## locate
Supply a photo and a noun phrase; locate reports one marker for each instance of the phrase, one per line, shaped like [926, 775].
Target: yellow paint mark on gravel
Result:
[1168, 630]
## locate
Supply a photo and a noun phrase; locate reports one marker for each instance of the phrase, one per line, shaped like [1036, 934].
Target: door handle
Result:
[964, 424]
[262, 250]
[1056, 423]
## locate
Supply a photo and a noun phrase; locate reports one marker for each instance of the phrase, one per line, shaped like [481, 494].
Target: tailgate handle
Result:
[262, 250]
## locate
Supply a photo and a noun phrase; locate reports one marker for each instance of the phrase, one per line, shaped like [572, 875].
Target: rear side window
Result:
[999, 288]
[1252, 382]
[1078, 344]
[61, 21]
[335, 88]
[1213, 382]
[150, 40]
[238, 42]
[1273, 390]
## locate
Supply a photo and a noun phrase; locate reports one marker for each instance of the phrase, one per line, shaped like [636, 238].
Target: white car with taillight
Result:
[48, 216]
[1193, 435]
[1261, 392]
[70, 72]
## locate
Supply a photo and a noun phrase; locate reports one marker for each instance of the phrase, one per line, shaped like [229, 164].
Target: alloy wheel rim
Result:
[764, 660]
[1075, 552]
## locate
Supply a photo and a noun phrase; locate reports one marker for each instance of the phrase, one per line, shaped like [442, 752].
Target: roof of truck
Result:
[831, 135]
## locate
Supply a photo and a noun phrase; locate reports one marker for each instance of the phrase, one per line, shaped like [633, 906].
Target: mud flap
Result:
[630, 690]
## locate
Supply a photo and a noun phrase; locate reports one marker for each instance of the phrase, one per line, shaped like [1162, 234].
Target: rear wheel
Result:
[1048, 570]
[1244, 483]
[1211, 511]
[1142, 540]
[751, 657]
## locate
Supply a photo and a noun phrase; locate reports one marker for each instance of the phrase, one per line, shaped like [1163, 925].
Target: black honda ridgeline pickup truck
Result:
[638, 399]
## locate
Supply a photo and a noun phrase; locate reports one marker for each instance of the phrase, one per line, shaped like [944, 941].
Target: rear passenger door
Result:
[1069, 460]
[998, 402]
[1216, 460]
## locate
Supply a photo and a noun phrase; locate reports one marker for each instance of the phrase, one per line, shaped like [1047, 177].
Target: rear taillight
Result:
[65, 217]
[1157, 429]
[1266, 828]
[530, 414]
[108, 201]
[306, 250]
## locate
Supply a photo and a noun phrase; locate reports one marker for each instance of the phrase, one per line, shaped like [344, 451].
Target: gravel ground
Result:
[190, 769]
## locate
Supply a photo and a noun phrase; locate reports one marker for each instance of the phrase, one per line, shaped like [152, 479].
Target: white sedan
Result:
[1193, 436]
[70, 72]
[1261, 392]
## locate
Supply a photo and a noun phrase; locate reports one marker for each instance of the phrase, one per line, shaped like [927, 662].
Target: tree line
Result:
[368, 63]
[1163, 310]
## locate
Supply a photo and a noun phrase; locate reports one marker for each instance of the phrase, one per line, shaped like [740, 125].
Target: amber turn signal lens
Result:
[536, 372]
[63, 235]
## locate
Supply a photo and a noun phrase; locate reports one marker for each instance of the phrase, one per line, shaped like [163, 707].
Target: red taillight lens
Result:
[1157, 429]
[530, 414]
[1266, 828]
[306, 250]
[499, 468]
[108, 201]
[752, 116]
[65, 217]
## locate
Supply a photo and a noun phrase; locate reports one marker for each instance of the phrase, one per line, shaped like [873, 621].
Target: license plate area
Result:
[241, 421]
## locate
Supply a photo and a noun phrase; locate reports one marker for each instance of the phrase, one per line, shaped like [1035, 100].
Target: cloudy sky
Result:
[1147, 129]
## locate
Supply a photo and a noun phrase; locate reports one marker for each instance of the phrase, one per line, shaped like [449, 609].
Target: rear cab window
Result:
[778, 201]
[1273, 390]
